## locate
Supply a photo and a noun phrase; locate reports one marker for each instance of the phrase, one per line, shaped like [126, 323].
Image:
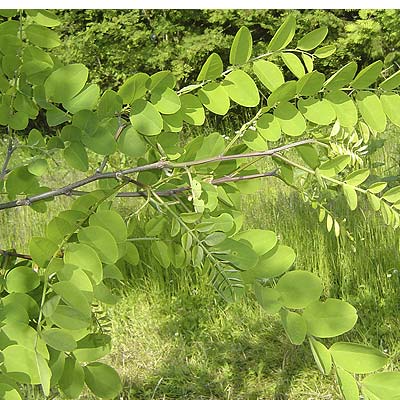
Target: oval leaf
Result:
[298, 289]
[284, 34]
[241, 88]
[241, 47]
[357, 358]
[330, 318]
[312, 39]
[269, 74]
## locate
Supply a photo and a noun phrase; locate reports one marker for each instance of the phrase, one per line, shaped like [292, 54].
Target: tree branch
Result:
[159, 165]
[179, 190]
[10, 150]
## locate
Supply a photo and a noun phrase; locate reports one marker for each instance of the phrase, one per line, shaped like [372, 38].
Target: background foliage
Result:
[114, 44]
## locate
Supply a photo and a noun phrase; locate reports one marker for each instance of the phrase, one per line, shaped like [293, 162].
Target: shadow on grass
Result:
[232, 353]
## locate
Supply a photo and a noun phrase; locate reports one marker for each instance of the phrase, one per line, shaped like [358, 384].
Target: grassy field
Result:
[174, 339]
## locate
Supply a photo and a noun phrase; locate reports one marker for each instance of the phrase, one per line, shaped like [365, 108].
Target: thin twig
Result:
[10, 150]
[14, 254]
[159, 165]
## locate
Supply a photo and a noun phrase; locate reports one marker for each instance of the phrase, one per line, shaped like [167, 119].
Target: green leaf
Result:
[212, 68]
[262, 241]
[298, 289]
[145, 118]
[173, 123]
[330, 318]
[20, 180]
[166, 101]
[374, 201]
[7, 392]
[24, 335]
[160, 81]
[44, 374]
[133, 88]
[310, 84]
[371, 110]
[357, 358]
[70, 318]
[391, 103]
[392, 82]
[283, 93]
[309, 154]
[110, 104]
[377, 187]
[268, 298]
[319, 112]
[23, 300]
[72, 380]
[367, 75]
[294, 325]
[59, 339]
[20, 364]
[241, 88]
[22, 280]
[269, 128]
[272, 264]
[325, 51]
[102, 242]
[291, 121]
[72, 296]
[321, 356]
[192, 110]
[312, 39]
[55, 116]
[382, 386]
[342, 77]
[254, 140]
[348, 385]
[237, 253]
[269, 74]
[85, 100]
[44, 17]
[160, 252]
[332, 167]
[66, 82]
[38, 167]
[8, 13]
[351, 196]
[42, 36]
[93, 347]
[102, 380]
[214, 97]
[356, 178]
[102, 142]
[223, 223]
[308, 62]
[131, 143]
[294, 64]
[103, 293]
[76, 157]
[42, 250]
[78, 277]
[112, 221]
[241, 47]
[392, 195]
[345, 108]
[284, 34]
